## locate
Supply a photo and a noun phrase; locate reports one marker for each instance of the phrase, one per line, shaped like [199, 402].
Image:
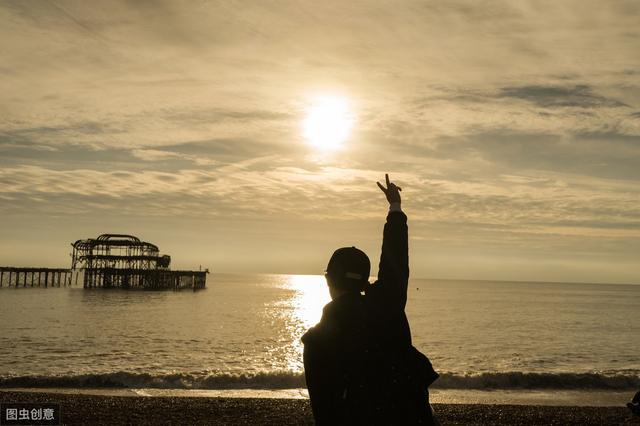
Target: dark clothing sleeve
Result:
[387, 297]
[393, 272]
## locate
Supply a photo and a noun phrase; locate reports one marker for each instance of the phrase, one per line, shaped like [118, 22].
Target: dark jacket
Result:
[360, 365]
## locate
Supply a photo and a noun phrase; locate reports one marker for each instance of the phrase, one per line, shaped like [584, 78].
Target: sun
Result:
[328, 122]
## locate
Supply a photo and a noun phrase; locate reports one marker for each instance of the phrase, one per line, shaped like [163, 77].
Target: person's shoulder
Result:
[315, 335]
[320, 329]
[308, 336]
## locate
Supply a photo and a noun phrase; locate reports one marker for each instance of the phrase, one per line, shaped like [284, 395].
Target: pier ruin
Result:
[109, 261]
[124, 261]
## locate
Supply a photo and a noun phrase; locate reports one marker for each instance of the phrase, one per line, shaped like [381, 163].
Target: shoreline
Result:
[104, 409]
[537, 397]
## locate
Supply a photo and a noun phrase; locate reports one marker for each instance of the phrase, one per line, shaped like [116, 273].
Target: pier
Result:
[109, 261]
[125, 261]
[11, 276]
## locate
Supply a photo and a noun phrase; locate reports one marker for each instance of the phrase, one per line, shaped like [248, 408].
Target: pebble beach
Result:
[131, 410]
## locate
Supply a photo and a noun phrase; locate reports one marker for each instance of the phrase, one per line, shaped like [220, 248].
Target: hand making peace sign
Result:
[392, 191]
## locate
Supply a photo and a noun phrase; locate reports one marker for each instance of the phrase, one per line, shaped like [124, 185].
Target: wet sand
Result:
[115, 410]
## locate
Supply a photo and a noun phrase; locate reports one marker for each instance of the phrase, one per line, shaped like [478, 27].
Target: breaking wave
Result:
[290, 380]
[520, 380]
[123, 379]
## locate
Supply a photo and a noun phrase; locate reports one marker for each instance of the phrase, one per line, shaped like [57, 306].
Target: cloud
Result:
[239, 148]
[580, 153]
[154, 155]
[218, 114]
[581, 96]
[526, 202]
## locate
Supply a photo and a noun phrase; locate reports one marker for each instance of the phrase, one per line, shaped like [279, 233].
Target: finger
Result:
[399, 189]
[381, 187]
[386, 176]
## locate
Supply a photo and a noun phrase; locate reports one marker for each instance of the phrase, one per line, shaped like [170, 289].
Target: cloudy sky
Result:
[513, 127]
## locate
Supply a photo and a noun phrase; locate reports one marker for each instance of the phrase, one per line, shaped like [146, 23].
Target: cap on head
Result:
[349, 269]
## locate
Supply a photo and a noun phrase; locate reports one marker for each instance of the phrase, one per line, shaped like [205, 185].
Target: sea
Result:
[491, 341]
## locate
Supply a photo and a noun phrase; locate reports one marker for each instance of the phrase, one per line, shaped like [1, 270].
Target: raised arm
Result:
[393, 273]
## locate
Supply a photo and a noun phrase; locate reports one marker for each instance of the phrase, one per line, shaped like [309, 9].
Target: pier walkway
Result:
[159, 279]
[11, 276]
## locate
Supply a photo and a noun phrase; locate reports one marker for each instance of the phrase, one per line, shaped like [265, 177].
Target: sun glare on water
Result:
[328, 122]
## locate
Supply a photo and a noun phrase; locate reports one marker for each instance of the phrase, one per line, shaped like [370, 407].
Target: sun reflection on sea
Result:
[309, 297]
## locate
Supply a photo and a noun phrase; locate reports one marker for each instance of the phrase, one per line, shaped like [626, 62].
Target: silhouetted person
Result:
[360, 365]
